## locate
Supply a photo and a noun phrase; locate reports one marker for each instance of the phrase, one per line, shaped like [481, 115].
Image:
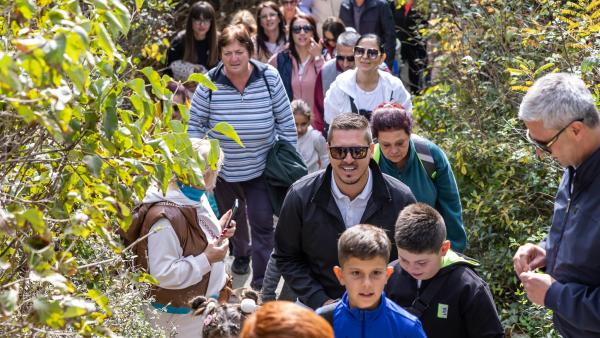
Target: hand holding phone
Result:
[228, 225]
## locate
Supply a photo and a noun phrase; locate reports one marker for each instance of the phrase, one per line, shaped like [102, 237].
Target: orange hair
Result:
[283, 319]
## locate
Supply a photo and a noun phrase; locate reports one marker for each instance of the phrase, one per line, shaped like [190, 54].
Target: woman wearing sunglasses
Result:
[420, 164]
[300, 63]
[362, 89]
[270, 37]
[195, 48]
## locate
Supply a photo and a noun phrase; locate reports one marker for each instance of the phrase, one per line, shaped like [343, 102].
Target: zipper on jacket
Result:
[362, 323]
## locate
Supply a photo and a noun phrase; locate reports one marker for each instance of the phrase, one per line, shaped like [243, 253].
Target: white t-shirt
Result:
[369, 100]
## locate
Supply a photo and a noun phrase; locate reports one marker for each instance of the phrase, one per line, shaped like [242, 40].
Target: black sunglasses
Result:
[372, 53]
[357, 153]
[545, 146]
[342, 58]
[306, 28]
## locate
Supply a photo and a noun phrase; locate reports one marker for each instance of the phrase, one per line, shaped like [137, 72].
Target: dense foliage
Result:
[487, 54]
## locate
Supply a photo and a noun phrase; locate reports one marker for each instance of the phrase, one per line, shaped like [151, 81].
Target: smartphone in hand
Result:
[228, 225]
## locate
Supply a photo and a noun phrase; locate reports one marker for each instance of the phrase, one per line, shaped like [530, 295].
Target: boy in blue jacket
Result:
[364, 311]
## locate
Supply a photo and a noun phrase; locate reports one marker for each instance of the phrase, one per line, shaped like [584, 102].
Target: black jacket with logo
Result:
[310, 224]
[462, 308]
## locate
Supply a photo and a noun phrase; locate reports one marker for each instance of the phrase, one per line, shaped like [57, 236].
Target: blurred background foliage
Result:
[86, 126]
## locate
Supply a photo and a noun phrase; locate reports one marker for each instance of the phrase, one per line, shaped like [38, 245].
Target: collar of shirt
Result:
[352, 210]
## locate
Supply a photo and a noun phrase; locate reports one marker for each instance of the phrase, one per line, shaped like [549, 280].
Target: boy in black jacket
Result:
[436, 284]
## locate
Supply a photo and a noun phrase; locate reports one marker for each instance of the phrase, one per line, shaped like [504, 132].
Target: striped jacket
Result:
[259, 115]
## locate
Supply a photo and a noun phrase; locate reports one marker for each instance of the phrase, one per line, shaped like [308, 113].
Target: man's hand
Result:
[536, 285]
[529, 257]
[215, 252]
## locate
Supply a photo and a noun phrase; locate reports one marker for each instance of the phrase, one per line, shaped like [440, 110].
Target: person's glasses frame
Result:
[347, 58]
[545, 146]
[357, 152]
[202, 21]
[305, 28]
[372, 53]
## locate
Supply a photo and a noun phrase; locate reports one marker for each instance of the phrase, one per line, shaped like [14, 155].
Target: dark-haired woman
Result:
[332, 28]
[420, 164]
[252, 99]
[362, 89]
[301, 62]
[270, 37]
[195, 48]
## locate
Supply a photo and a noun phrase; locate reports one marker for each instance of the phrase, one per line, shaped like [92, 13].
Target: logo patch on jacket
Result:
[442, 311]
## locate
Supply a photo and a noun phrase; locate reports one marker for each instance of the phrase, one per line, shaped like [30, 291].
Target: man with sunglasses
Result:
[344, 61]
[320, 206]
[563, 122]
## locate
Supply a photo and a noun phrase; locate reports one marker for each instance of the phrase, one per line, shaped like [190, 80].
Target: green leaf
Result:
[77, 74]
[156, 82]
[105, 42]
[55, 49]
[202, 79]
[36, 219]
[138, 86]
[100, 299]
[146, 278]
[213, 155]
[139, 4]
[110, 121]
[25, 7]
[122, 14]
[49, 312]
[94, 164]
[115, 25]
[77, 307]
[227, 130]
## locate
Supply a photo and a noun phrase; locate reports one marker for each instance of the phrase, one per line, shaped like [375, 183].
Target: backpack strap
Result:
[327, 312]
[377, 153]
[423, 300]
[424, 154]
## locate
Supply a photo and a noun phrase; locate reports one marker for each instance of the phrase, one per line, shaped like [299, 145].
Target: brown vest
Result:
[192, 239]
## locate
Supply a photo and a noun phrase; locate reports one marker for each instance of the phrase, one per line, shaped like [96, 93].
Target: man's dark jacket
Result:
[573, 252]
[310, 224]
[464, 300]
[376, 18]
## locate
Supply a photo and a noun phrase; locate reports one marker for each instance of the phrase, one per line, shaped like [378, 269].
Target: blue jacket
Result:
[573, 252]
[387, 320]
[440, 192]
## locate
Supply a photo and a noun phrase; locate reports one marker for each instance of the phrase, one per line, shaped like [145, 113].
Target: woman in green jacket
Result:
[420, 164]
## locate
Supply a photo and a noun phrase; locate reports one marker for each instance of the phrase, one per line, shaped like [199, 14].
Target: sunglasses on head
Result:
[372, 53]
[306, 28]
[347, 58]
[357, 153]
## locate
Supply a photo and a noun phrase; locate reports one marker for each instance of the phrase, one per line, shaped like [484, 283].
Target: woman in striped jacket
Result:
[250, 97]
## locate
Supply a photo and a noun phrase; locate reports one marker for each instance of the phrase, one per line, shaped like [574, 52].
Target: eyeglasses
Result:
[545, 146]
[267, 16]
[306, 28]
[202, 21]
[372, 53]
[357, 153]
[342, 58]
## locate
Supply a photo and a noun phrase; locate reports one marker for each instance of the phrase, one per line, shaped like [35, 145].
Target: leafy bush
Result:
[487, 53]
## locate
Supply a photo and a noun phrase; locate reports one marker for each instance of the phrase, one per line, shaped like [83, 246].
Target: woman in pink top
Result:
[300, 63]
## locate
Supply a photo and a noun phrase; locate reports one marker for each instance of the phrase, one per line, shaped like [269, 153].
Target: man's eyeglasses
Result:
[545, 146]
[306, 28]
[372, 53]
[268, 16]
[347, 58]
[357, 153]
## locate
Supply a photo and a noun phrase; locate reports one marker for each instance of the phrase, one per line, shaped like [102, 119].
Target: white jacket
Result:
[337, 98]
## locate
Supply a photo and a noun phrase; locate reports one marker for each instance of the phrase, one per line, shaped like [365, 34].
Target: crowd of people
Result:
[370, 235]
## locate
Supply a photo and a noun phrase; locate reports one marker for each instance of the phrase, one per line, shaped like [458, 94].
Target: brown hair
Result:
[245, 18]
[281, 319]
[200, 10]
[420, 229]
[221, 320]
[390, 116]
[291, 44]
[350, 121]
[261, 36]
[363, 241]
[235, 33]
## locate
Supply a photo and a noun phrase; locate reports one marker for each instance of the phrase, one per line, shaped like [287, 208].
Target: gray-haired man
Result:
[563, 122]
